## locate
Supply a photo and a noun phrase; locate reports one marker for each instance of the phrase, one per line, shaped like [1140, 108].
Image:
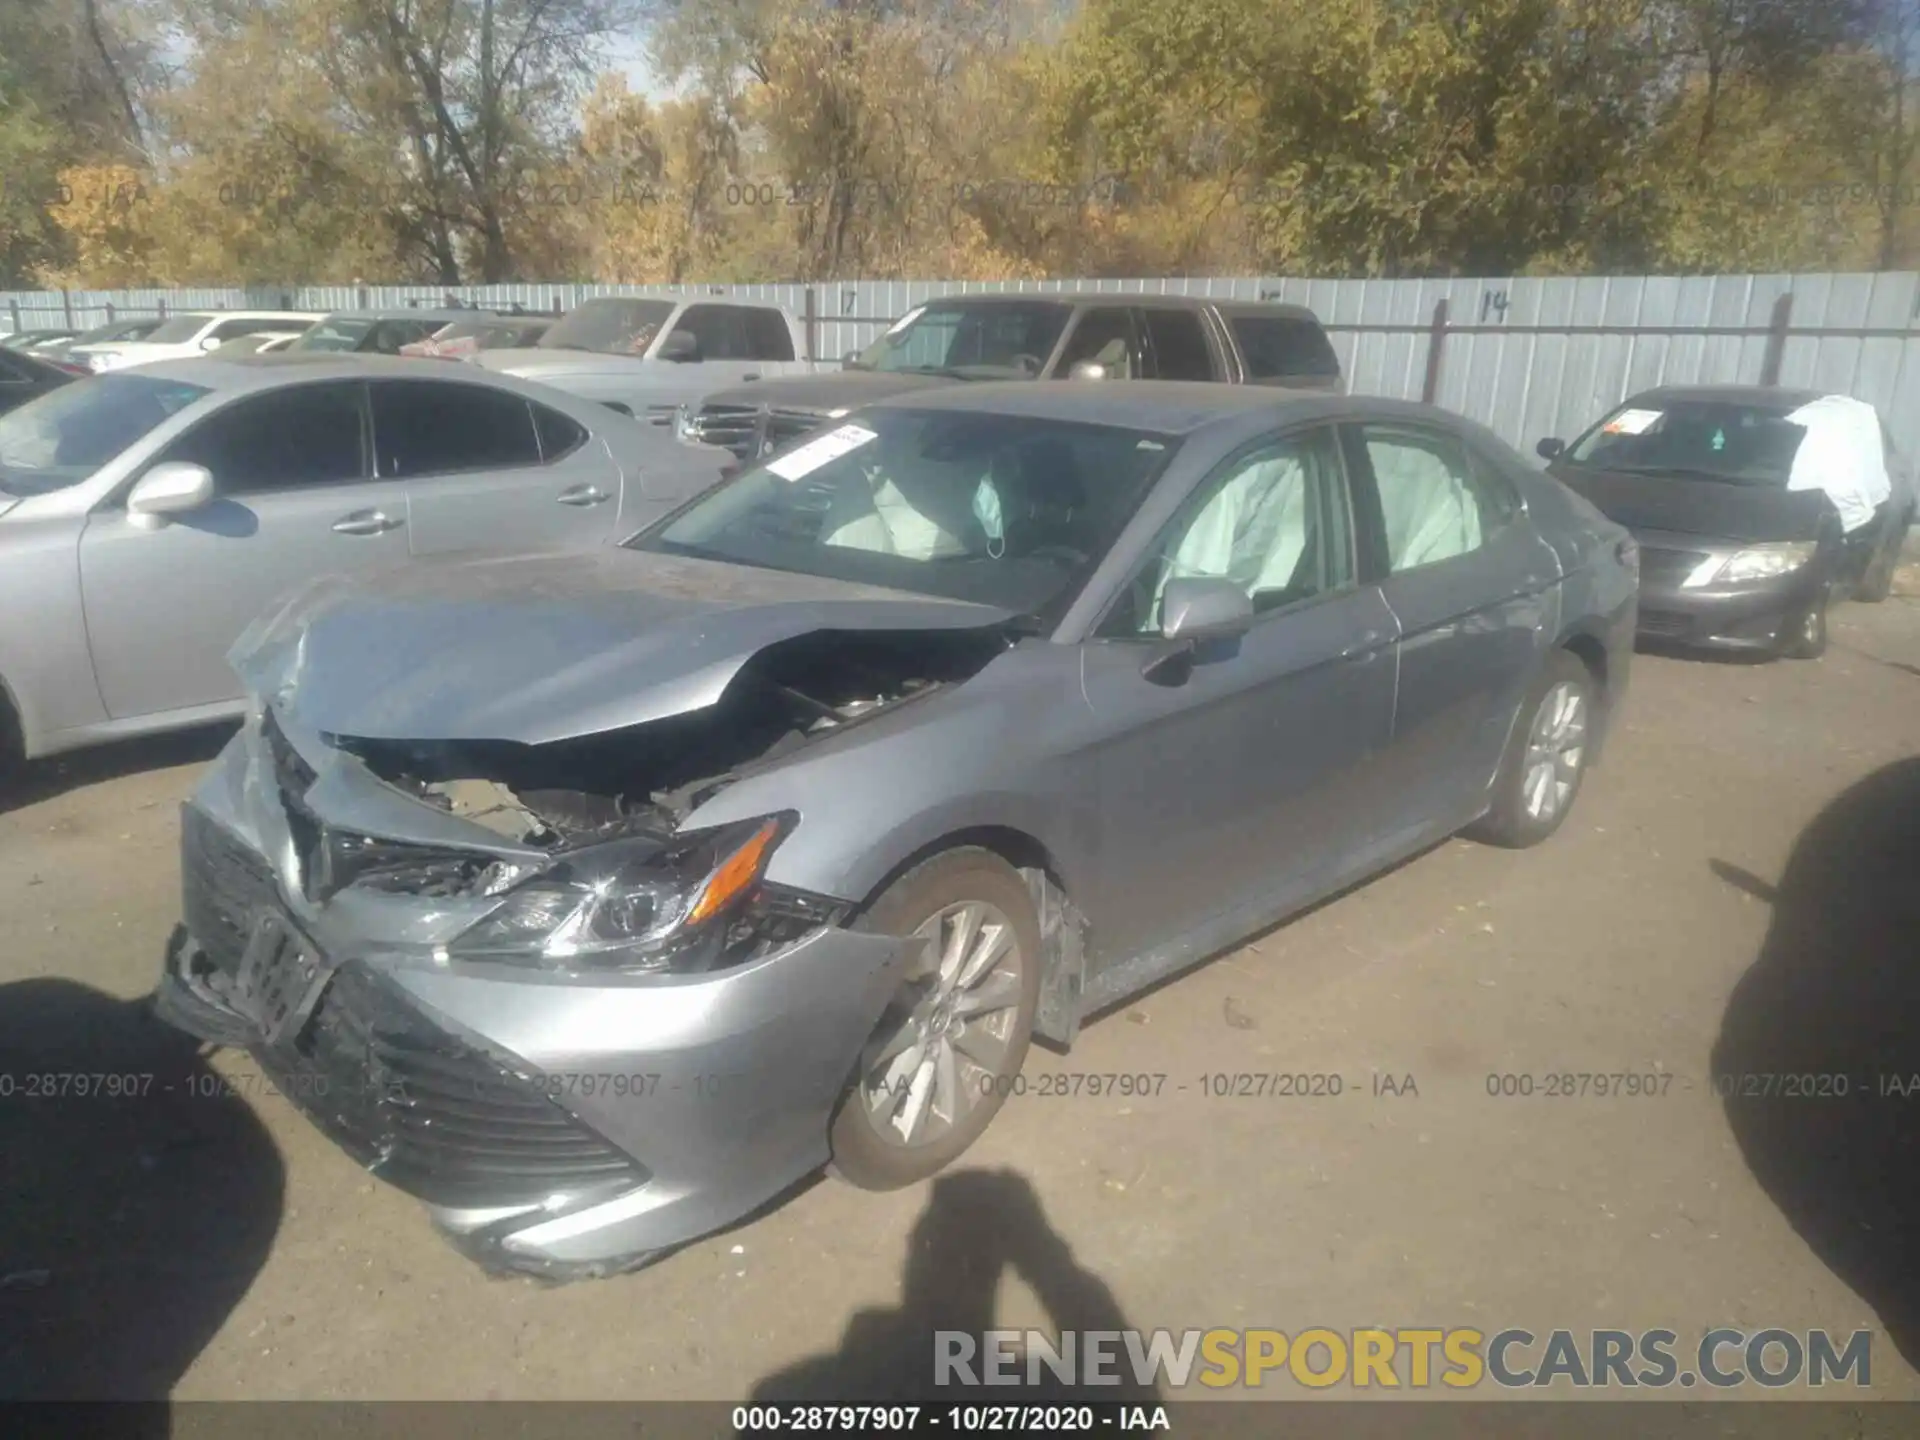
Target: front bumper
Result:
[1763, 616]
[556, 1126]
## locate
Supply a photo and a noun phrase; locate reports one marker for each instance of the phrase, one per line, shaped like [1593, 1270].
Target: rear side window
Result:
[285, 440]
[558, 434]
[1435, 503]
[437, 427]
[1179, 345]
[1283, 348]
[716, 329]
[768, 337]
[13, 372]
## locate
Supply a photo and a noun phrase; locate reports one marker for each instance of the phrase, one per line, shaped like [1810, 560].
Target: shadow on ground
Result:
[1835, 997]
[140, 1200]
[38, 780]
[978, 1224]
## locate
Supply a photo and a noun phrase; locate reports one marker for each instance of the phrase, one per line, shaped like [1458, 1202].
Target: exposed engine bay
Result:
[650, 777]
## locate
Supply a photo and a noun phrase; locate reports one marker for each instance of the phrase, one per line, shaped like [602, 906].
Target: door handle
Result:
[1367, 642]
[365, 522]
[751, 375]
[583, 495]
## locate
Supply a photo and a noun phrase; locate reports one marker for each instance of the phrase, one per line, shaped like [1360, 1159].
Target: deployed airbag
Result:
[1842, 455]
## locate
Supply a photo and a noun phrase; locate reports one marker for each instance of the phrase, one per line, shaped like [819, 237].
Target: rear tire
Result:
[13, 745]
[945, 1054]
[1546, 757]
[1877, 584]
[1809, 638]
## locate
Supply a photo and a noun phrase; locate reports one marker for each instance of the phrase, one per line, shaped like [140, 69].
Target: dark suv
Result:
[1081, 335]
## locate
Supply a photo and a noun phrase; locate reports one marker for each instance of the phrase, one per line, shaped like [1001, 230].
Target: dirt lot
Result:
[1739, 878]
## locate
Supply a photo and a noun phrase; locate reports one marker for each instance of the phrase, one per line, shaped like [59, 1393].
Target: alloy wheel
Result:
[1556, 749]
[954, 1030]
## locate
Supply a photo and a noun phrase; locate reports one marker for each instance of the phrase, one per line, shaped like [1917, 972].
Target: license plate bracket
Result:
[280, 977]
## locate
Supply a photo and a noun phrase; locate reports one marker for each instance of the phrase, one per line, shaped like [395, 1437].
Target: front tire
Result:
[1809, 638]
[1546, 757]
[944, 1055]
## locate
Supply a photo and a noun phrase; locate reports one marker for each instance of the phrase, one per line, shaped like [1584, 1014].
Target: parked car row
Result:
[622, 826]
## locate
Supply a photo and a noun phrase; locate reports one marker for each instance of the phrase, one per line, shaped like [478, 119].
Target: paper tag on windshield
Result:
[815, 453]
[1630, 422]
[906, 320]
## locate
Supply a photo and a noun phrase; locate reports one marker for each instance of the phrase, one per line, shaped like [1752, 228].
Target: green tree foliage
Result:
[469, 140]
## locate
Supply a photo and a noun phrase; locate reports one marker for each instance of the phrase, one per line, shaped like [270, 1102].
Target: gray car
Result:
[146, 517]
[596, 900]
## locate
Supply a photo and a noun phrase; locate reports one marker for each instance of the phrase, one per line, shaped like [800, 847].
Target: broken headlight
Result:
[637, 905]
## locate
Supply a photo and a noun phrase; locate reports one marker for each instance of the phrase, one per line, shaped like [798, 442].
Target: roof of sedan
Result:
[443, 315]
[1731, 394]
[262, 372]
[1166, 407]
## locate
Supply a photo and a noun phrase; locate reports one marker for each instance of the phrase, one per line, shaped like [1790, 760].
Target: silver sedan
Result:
[595, 900]
[146, 517]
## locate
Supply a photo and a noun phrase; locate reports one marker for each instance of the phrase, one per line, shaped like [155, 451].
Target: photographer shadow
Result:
[977, 1224]
[1827, 1016]
[140, 1199]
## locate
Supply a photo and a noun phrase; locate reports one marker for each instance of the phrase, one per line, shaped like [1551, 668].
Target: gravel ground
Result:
[1728, 896]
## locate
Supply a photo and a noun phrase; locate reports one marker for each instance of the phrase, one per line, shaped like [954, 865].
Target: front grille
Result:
[1661, 622]
[1668, 567]
[746, 431]
[785, 425]
[436, 1117]
[736, 427]
[223, 883]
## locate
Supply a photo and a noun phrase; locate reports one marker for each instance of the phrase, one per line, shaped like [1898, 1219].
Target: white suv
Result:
[191, 333]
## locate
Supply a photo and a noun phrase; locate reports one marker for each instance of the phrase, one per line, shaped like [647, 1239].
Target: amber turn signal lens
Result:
[734, 874]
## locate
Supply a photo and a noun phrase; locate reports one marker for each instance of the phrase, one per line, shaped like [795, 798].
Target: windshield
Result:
[1001, 510]
[333, 334]
[982, 340]
[1735, 442]
[66, 435]
[609, 326]
[126, 330]
[178, 330]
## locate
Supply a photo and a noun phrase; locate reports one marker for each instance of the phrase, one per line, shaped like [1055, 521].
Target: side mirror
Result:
[679, 346]
[1203, 609]
[849, 360]
[1087, 370]
[169, 489]
[211, 343]
[1193, 612]
[1550, 449]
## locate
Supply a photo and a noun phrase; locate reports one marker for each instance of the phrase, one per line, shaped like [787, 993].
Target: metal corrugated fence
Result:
[1529, 357]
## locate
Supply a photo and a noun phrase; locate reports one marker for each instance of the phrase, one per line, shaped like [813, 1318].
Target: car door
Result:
[294, 499]
[1472, 588]
[1242, 783]
[1178, 346]
[1107, 336]
[487, 469]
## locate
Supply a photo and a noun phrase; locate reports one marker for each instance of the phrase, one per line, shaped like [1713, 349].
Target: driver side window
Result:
[1105, 337]
[1274, 520]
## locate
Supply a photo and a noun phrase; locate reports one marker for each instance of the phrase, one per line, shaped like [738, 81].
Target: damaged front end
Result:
[505, 977]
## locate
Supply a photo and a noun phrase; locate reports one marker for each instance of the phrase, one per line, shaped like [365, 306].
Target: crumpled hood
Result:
[833, 391]
[536, 364]
[538, 648]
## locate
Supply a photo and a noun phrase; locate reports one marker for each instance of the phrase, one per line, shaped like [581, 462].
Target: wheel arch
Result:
[1063, 928]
